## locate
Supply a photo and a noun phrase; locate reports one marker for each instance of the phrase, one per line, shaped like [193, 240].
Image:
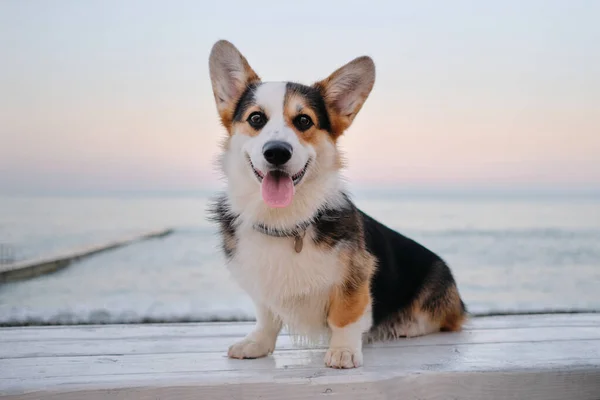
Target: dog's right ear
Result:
[230, 74]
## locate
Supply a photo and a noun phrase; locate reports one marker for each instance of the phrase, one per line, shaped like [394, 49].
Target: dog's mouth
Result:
[259, 175]
[277, 186]
[298, 177]
[280, 173]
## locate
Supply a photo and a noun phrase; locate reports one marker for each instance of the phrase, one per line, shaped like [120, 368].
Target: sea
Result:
[510, 253]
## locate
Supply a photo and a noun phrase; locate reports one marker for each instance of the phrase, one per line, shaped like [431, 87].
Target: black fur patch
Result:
[245, 101]
[404, 268]
[336, 225]
[315, 101]
[438, 283]
[220, 213]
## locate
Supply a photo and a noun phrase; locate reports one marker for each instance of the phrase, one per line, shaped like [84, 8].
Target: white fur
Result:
[294, 286]
[345, 346]
[270, 96]
[261, 341]
[320, 186]
[289, 289]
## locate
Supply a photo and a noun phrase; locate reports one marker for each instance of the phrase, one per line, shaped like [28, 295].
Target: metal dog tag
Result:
[298, 243]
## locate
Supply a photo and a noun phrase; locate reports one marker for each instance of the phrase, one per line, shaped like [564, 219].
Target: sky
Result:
[115, 95]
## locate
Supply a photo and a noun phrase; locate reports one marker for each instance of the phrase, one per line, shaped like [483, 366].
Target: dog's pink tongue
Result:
[277, 189]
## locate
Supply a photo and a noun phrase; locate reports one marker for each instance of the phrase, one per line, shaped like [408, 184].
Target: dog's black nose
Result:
[277, 152]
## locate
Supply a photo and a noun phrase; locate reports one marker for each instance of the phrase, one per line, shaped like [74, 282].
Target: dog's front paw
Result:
[343, 357]
[249, 349]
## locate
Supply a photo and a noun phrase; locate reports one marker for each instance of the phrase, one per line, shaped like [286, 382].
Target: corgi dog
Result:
[293, 239]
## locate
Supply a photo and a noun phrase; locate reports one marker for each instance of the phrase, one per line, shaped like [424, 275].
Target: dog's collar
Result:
[297, 232]
[269, 231]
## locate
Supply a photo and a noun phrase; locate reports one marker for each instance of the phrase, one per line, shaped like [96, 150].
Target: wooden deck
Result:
[513, 357]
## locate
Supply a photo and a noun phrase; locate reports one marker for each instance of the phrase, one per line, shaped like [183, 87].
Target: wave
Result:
[104, 317]
[547, 233]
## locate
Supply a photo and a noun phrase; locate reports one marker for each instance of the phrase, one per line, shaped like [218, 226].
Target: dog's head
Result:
[282, 135]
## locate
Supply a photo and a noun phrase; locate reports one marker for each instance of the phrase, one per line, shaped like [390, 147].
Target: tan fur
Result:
[226, 113]
[295, 105]
[451, 318]
[341, 82]
[319, 139]
[348, 301]
[442, 305]
[222, 71]
[360, 267]
[423, 317]
[347, 307]
[244, 127]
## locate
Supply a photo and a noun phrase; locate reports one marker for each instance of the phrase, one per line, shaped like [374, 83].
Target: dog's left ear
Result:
[346, 90]
[230, 74]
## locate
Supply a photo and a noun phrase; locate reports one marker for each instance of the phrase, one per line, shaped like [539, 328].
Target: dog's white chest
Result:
[295, 286]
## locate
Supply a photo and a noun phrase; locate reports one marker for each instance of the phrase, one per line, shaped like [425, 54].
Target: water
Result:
[508, 254]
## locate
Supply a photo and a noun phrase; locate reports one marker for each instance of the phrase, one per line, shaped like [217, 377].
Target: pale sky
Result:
[115, 95]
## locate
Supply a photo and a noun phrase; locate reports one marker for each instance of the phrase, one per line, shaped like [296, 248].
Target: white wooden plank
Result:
[497, 356]
[534, 320]
[547, 361]
[494, 358]
[104, 332]
[547, 385]
[118, 332]
[158, 345]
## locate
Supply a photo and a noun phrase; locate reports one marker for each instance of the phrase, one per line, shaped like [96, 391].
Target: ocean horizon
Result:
[511, 251]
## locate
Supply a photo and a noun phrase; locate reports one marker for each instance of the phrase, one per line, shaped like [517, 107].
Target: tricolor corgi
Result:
[311, 261]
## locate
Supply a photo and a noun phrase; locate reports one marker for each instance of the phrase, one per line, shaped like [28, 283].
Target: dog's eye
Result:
[257, 120]
[303, 122]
